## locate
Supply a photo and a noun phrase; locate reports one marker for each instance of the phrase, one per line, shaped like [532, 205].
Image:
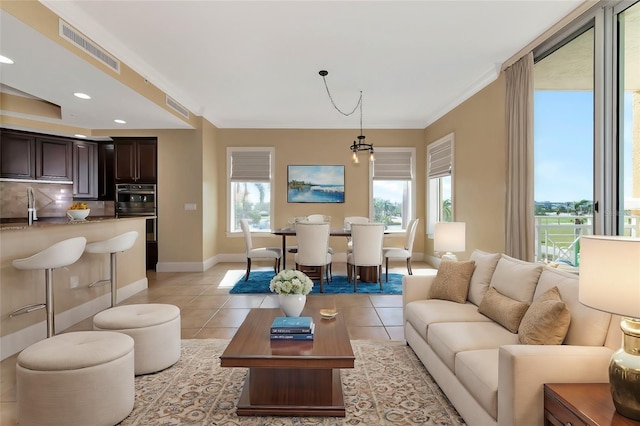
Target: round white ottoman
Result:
[155, 328]
[80, 378]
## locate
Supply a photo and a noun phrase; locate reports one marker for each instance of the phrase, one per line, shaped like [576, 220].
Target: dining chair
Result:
[402, 252]
[347, 226]
[367, 250]
[313, 249]
[315, 218]
[261, 253]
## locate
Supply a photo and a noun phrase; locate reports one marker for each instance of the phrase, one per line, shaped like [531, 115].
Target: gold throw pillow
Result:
[503, 310]
[452, 281]
[546, 321]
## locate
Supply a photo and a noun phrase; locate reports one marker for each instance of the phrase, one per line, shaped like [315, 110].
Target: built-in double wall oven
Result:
[136, 200]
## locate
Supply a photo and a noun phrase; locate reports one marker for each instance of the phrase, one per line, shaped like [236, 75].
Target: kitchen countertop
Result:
[12, 224]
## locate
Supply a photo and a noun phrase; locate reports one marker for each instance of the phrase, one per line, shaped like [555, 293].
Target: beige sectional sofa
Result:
[483, 368]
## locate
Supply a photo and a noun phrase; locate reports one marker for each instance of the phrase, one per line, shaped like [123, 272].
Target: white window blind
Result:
[439, 159]
[392, 165]
[250, 166]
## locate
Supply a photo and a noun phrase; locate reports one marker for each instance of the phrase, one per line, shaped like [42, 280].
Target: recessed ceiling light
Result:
[80, 136]
[81, 95]
[117, 120]
[5, 60]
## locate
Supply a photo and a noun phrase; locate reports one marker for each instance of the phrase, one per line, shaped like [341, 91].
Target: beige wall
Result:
[479, 166]
[307, 146]
[180, 180]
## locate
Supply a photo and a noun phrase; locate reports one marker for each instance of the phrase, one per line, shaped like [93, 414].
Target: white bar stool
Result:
[122, 242]
[61, 254]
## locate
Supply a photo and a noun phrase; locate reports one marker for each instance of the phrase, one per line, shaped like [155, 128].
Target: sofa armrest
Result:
[416, 287]
[523, 369]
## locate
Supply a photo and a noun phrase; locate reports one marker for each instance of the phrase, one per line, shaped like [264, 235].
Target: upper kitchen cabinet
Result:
[17, 155]
[135, 160]
[106, 186]
[85, 170]
[29, 156]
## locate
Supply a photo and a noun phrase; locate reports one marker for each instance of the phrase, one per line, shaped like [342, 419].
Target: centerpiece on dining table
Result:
[292, 287]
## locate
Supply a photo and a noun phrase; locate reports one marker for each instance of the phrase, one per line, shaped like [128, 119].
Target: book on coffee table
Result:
[292, 325]
[294, 336]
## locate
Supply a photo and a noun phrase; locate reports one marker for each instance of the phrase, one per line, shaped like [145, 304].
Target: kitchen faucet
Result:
[31, 206]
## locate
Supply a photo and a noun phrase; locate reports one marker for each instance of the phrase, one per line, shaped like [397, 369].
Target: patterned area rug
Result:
[388, 386]
[258, 282]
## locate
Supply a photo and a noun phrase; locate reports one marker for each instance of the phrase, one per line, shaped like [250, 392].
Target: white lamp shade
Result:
[449, 237]
[610, 274]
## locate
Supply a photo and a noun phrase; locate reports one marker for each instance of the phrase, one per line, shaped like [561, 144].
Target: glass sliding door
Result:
[629, 120]
[564, 147]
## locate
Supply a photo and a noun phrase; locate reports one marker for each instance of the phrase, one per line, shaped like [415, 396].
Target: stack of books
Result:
[292, 328]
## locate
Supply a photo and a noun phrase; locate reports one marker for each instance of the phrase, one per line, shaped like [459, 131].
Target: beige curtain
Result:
[520, 239]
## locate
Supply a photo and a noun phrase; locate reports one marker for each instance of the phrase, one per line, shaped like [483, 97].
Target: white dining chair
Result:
[367, 250]
[313, 249]
[347, 226]
[261, 253]
[402, 253]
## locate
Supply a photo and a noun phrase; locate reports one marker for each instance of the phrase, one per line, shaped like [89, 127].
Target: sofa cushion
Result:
[546, 321]
[502, 309]
[588, 326]
[516, 279]
[452, 281]
[447, 339]
[481, 278]
[477, 371]
[421, 313]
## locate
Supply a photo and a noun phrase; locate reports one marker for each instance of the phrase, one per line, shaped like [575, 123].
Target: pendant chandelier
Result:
[360, 144]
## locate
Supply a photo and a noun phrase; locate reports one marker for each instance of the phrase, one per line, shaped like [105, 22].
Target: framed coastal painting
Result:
[315, 184]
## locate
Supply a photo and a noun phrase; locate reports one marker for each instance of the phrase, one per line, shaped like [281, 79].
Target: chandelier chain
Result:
[346, 114]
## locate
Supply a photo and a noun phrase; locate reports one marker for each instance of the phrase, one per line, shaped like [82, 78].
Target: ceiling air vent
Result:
[173, 104]
[74, 36]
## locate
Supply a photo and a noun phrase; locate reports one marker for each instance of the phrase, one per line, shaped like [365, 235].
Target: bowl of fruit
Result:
[78, 211]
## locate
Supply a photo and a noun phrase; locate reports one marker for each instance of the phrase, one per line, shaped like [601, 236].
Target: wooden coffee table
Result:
[290, 378]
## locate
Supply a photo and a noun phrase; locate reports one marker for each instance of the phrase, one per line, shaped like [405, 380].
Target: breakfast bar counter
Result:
[74, 299]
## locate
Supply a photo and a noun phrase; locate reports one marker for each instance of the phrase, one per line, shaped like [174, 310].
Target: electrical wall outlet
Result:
[190, 206]
[75, 281]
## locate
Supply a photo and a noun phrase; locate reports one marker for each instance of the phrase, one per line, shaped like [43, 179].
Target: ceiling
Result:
[254, 64]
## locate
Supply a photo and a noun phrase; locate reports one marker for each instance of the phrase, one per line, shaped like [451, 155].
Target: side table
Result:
[581, 404]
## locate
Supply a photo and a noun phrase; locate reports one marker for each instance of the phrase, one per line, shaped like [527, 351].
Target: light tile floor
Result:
[209, 311]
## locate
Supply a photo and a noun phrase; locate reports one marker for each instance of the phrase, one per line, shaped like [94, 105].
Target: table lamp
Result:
[610, 282]
[449, 237]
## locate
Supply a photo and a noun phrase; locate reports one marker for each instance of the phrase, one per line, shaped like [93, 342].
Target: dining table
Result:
[291, 232]
[368, 274]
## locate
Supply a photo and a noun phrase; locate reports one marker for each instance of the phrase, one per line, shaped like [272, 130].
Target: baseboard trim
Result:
[13, 343]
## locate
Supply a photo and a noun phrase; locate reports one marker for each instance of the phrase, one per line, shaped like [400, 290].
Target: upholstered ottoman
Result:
[154, 327]
[80, 378]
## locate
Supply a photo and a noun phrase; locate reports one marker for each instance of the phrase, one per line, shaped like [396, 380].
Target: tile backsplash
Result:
[52, 200]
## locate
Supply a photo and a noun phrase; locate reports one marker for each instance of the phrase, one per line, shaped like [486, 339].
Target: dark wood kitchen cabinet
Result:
[135, 160]
[29, 156]
[85, 170]
[17, 155]
[106, 184]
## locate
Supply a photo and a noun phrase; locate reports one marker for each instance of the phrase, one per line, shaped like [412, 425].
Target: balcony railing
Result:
[558, 236]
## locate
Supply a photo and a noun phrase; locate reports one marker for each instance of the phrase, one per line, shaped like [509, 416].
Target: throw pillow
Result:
[502, 309]
[546, 321]
[516, 278]
[481, 278]
[452, 281]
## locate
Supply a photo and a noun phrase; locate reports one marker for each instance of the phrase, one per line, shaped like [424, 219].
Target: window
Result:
[439, 182]
[628, 129]
[393, 187]
[564, 148]
[587, 74]
[250, 182]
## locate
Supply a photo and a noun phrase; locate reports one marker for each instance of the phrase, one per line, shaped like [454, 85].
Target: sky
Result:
[563, 154]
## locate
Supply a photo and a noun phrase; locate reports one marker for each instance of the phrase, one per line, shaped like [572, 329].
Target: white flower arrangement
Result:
[291, 281]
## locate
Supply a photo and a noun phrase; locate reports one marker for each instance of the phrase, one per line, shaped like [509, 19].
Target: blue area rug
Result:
[259, 283]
